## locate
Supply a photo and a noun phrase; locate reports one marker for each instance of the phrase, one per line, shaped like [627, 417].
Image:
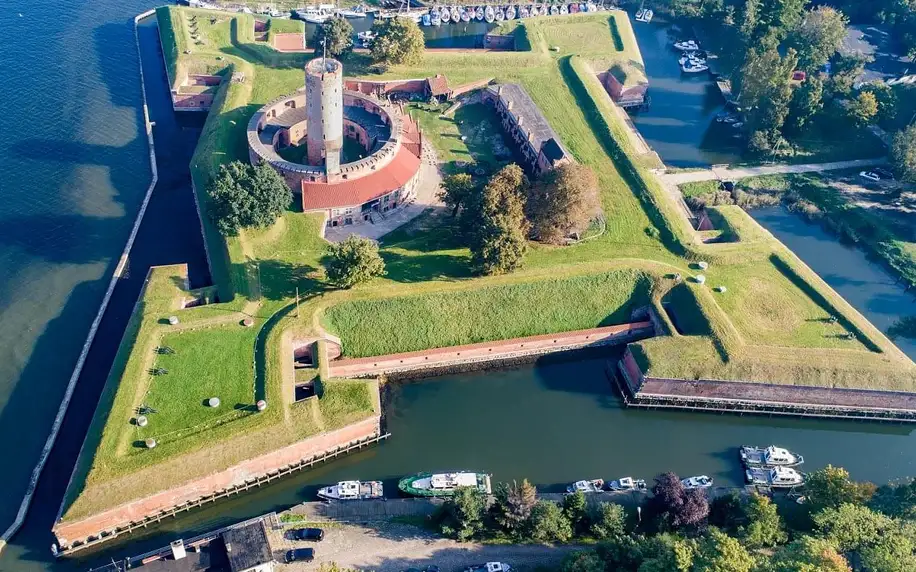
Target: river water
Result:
[73, 168]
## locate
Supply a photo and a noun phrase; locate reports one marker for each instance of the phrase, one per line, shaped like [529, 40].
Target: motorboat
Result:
[456, 14]
[444, 484]
[775, 477]
[499, 15]
[771, 456]
[686, 46]
[523, 12]
[573, 8]
[592, 486]
[352, 490]
[700, 482]
[554, 10]
[436, 19]
[426, 20]
[564, 10]
[591, 7]
[355, 13]
[583, 8]
[737, 125]
[510, 13]
[647, 17]
[488, 567]
[627, 484]
[691, 59]
[465, 15]
[689, 67]
[533, 11]
[313, 15]
[479, 14]
[489, 14]
[365, 38]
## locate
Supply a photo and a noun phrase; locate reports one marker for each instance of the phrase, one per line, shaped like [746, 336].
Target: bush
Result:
[607, 520]
[353, 261]
[338, 33]
[397, 41]
[461, 516]
[242, 196]
[549, 524]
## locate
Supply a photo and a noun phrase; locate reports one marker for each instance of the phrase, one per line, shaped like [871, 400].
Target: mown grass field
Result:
[766, 327]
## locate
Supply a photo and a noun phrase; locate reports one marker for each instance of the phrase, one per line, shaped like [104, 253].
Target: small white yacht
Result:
[694, 60]
[365, 38]
[352, 490]
[771, 456]
[776, 477]
[314, 15]
[627, 484]
[500, 15]
[489, 14]
[691, 67]
[593, 486]
[510, 13]
[479, 14]
[356, 13]
[700, 482]
[689, 45]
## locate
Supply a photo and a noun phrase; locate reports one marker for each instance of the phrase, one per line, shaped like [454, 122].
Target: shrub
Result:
[353, 261]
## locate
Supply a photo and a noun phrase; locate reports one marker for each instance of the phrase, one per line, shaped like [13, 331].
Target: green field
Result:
[768, 326]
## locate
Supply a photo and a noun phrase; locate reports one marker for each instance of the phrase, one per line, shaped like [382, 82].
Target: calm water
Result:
[680, 124]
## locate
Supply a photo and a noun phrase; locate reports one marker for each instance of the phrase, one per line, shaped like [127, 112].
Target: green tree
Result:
[456, 191]
[607, 520]
[548, 523]
[898, 501]
[808, 554]
[887, 101]
[726, 512]
[750, 18]
[863, 109]
[667, 553]
[780, 17]
[500, 237]
[851, 527]
[903, 154]
[719, 552]
[766, 89]
[563, 203]
[353, 261]
[514, 502]
[831, 487]
[335, 34]
[621, 553]
[818, 37]
[892, 552]
[397, 41]
[844, 73]
[582, 561]
[576, 510]
[242, 196]
[764, 528]
[807, 102]
[462, 515]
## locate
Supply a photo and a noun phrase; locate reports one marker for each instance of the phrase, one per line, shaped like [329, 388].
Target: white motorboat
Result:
[436, 18]
[692, 60]
[591, 7]
[488, 567]
[479, 14]
[691, 68]
[645, 16]
[593, 486]
[314, 15]
[686, 46]
[627, 484]
[426, 20]
[489, 14]
[352, 13]
[554, 10]
[456, 14]
[523, 12]
[564, 10]
[465, 15]
[771, 456]
[500, 15]
[776, 477]
[533, 11]
[583, 8]
[700, 482]
[510, 13]
[365, 38]
[352, 490]
[737, 125]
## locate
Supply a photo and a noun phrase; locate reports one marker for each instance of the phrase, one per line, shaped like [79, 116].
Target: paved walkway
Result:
[727, 173]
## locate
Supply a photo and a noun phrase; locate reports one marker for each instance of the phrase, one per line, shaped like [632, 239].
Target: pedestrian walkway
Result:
[727, 173]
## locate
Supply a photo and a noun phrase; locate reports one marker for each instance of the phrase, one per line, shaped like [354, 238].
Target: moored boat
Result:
[355, 13]
[443, 484]
[573, 8]
[689, 67]
[510, 13]
[436, 18]
[500, 15]
[592, 486]
[465, 15]
[365, 38]
[771, 456]
[352, 490]
[699, 482]
[564, 10]
[456, 14]
[627, 484]
[479, 15]
[489, 14]
[523, 12]
[694, 60]
[647, 17]
[776, 477]
[686, 45]
[554, 10]
[426, 20]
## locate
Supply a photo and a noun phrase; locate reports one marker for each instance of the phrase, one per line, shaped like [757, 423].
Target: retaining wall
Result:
[477, 356]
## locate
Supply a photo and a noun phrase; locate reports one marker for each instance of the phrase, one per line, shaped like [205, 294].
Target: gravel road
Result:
[390, 547]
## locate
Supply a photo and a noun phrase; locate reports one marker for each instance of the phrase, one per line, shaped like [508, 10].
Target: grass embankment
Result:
[258, 274]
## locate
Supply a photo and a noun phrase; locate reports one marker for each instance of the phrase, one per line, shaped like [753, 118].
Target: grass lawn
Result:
[472, 135]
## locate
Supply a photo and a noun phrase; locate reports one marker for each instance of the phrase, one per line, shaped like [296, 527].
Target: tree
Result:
[750, 17]
[514, 502]
[621, 553]
[719, 552]
[764, 527]
[903, 154]
[898, 501]
[461, 516]
[845, 71]
[726, 512]
[574, 507]
[607, 520]
[674, 507]
[335, 35]
[807, 102]
[851, 527]
[397, 41]
[563, 203]
[863, 109]
[808, 554]
[582, 561]
[780, 17]
[667, 553]
[766, 89]
[353, 261]
[818, 37]
[548, 523]
[242, 196]
[831, 487]
[887, 101]
[499, 240]
[892, 552]
[456, 191]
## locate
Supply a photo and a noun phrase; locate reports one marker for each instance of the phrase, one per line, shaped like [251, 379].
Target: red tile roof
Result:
[354, 192]
[438, 85]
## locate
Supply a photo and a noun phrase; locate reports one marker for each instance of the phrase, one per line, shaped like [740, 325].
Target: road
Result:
[733, 173]
[393, 547]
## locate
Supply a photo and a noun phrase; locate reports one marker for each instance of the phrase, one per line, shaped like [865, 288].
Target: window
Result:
[348, 220]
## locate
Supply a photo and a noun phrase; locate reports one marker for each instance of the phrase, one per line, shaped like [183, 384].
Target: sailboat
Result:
[489, 14]
[510, 13]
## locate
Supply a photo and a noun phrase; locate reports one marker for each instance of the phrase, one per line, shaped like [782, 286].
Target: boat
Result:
[692, 59]
[591, 7]
[564, 10]
[443, 484]
[573, 8]
[523, 12]
[436, 18]
[533, 11]
[510, 13]
[479, 14]
[776, 477]
[592, 486]
[737, 125]
[465, 15]
[355, 13]
[427, 21]
[700, 482]
[365, 38]
[488, 567]
[627, 484]
[312, 15]
[686, 45]
[639, 15]
[554, 10]
[647, 17]
[352, 490]
[500, 15]
[771, 456]
[690, 68]
[489, 14]
[456, 14]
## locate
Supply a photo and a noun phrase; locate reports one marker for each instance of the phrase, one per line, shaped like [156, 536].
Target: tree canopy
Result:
[456, 191]
[397, 41]
[903, 154]
[818, 37]
[513, 505]
[461, 516]
[675, 507]
[242, 196]
[719, 552]
[499, 228]
[336, 34]
[831, 487]
[563, 203]
[353, 261]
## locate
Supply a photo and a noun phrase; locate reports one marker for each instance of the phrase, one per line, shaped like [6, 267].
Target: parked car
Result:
[300, 555]
[311, 534]
[871, 176]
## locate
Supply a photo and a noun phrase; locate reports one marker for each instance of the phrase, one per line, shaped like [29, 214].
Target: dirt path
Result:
[733, 173]
[390, 547]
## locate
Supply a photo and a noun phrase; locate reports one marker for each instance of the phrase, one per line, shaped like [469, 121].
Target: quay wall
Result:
[482, 355]
[110, 523]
